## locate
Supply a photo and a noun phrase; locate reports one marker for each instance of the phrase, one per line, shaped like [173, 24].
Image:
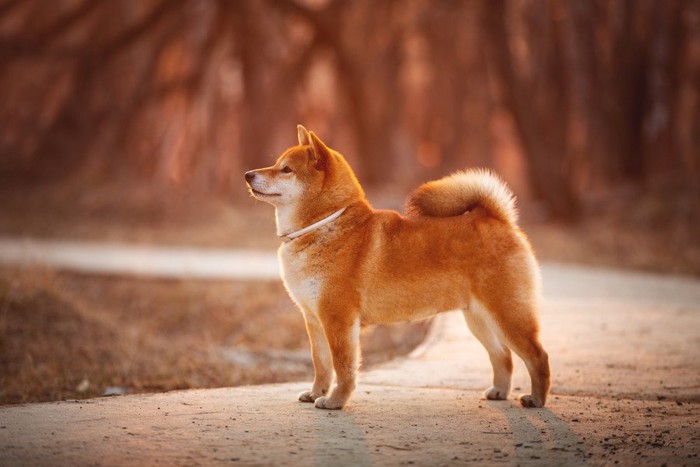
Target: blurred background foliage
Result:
[578, 104]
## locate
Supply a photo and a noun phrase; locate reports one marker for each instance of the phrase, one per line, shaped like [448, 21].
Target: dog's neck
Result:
[288, 229]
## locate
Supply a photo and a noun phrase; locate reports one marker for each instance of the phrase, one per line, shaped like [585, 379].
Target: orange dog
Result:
[346, 264]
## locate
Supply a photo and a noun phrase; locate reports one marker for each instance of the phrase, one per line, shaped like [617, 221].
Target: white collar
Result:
[314, 226]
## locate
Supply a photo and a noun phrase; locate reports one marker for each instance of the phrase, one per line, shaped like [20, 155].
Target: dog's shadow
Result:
[533, 436]
[540, 436]
[340, 439]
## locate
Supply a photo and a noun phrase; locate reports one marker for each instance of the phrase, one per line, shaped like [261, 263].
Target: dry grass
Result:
[60, 330]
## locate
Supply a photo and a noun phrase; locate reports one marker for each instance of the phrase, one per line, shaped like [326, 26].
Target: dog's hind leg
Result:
[529, 348]
[515, 323]
[321, 357]
[500, 355]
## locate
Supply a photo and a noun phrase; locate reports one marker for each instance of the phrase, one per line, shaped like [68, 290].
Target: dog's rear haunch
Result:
[346, 264]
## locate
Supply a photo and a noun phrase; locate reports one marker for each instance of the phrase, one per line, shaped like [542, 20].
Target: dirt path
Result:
[625, 354]
[384, 426]
[141, 260]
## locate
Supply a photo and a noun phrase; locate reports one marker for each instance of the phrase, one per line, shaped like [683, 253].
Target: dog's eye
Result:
[286, 169]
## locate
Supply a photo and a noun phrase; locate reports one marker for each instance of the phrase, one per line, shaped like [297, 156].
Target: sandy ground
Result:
[625, 355]
[262, 425]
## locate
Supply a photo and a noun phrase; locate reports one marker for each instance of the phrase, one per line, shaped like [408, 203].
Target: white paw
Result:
[530, 401]
[495, 393]
[309, 396]
[328, 403]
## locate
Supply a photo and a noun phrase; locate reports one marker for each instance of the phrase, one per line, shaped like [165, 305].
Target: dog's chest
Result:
[301, 277]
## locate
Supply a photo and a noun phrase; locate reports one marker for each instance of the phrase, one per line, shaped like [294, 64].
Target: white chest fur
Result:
[299, 279]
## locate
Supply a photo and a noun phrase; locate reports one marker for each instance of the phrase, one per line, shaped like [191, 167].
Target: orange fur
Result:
[454, 195]
[459, 248]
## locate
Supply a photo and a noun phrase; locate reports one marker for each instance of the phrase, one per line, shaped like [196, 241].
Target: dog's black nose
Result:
[249, 176]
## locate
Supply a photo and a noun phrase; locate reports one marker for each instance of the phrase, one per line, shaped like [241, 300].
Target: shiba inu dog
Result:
[346, 264]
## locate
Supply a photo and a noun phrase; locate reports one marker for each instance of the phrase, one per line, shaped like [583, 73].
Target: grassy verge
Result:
[73, 336]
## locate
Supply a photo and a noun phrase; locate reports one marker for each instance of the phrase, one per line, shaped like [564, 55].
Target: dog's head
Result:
[303, 173]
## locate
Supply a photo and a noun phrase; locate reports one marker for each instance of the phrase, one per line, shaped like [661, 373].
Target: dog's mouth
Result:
[260, 193]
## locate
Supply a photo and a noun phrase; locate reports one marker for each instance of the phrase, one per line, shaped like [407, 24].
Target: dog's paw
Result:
[530, 401]
[328, 403]
[495, 393]
[309, 396]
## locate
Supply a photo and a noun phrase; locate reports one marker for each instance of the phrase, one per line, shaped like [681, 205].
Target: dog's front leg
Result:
[321, 357]
[344, 340]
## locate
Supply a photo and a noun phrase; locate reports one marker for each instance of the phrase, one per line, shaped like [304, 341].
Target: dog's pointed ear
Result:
[302, 135]
[320, 152]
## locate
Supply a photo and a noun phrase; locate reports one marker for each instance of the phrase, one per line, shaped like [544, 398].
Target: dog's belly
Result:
[375, 315]
[409, 300]
[382, 294]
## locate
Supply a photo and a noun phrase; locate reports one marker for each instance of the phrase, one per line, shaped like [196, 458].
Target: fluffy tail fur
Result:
[462, 191]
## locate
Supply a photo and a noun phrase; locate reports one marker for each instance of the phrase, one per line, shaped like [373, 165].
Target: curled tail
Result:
[462, 191]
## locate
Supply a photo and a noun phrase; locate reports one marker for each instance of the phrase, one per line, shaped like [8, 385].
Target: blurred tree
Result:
[536, 90]
[594, 89]
[600, 93]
